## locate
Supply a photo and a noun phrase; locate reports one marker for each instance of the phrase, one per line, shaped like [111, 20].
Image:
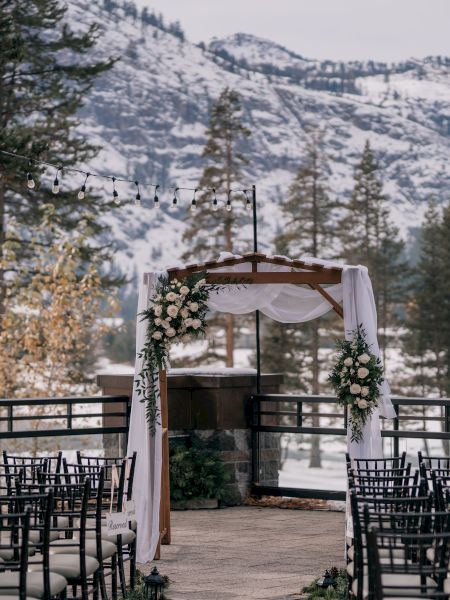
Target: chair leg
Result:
[133, 565]
[95, 586]
[123, 584]
[101, 578]
[114, 577]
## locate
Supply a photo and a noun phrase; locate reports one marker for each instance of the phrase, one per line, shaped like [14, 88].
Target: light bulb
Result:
[81, 193]
[137, 201]
[116, 198]
[215, 206]
[30, 181]
[228, 206]
[248, 206]
[193, 207]
[55, 188]
[174, 204]
[156, 202]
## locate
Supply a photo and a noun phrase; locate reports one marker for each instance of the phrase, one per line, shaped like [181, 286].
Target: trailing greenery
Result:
[196, 471]
[312, 592]
[177, 312]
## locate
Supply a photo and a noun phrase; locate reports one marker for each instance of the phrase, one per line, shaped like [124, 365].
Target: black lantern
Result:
[326, 581]
[153, 585]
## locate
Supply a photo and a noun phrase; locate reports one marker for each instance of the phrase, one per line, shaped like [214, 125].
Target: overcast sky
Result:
[336, 29]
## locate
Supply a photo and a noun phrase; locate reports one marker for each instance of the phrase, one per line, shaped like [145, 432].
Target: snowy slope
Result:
[150, 111]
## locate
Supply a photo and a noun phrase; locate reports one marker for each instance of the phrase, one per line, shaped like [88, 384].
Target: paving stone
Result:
[249, 553]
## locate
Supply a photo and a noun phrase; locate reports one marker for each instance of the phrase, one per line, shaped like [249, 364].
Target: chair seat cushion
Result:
[69, 566]
[128, 536]
[67, 547]
[35, 583]
[395, 579]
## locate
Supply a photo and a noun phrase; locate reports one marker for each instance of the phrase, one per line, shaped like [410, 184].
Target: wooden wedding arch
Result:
[301, 272]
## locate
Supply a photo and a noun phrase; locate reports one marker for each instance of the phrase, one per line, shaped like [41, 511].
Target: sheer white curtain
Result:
[147, 478]
[285, 303]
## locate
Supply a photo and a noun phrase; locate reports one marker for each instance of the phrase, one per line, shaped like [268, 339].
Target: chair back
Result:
[14, 541]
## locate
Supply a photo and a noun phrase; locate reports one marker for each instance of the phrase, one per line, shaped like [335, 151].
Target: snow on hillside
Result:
[149, 114]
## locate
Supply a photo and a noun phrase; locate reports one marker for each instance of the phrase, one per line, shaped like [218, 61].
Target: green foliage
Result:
[196, 472]
[209, 232]
[356, 378]
[427, 341]
[46, 71]
[369, 238]
[312, 592]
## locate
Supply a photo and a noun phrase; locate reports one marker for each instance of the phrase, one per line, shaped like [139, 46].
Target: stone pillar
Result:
[215, 405]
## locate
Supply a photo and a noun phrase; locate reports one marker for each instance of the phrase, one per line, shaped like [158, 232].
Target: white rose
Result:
[355, 388]
[170, 332]
[362, 403]
[193, 306]
[188, 322]
[364, 358]
[184, 313]
[184, 290]
[172, 310]
[171, 296]
[363, 372]
[196, 323]
[157, 310]
[364, 391]
[165, 324]
[157, 335]
[158, 321]
[348, 362]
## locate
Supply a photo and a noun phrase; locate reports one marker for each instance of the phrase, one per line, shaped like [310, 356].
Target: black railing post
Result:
[255, 439]
[396, 428]
[69, 415]
[10, 417]
[299, 414]
[447, 418]
[257, 323]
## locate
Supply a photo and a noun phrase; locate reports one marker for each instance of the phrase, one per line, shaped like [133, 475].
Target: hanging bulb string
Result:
[60, 168]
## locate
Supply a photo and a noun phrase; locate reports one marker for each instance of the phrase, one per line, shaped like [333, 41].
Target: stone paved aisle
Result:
[249, 553]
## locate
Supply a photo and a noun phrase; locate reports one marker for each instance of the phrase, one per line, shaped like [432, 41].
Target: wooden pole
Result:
[164, 508]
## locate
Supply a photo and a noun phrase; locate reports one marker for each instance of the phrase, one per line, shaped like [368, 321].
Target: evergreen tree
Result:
[427, 340]
[371, 239]
[45, 72]
[210, 232]
[309, 230]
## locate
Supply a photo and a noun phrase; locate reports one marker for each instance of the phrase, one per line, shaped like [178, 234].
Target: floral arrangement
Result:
[177, 312]
[356, 379]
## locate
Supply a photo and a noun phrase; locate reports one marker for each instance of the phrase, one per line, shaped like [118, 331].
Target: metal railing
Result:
[18, 415]
[281, 414]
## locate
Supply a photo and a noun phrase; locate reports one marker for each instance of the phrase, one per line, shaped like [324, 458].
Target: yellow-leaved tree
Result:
[51, 325]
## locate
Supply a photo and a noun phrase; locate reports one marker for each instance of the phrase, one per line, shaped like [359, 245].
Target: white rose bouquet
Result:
[177, 312]
[356, 379]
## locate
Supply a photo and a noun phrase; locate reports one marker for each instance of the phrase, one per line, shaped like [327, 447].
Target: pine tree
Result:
[210, 232]
[427, 341]
[371, 239]
[46, 70]
[309, 230]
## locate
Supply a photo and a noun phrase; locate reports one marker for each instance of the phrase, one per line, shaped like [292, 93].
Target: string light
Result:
[55, 188]
[116, 198]
[155, 198]
[248, 202]
[174, 200]
[228, 204]
[30, 181]
[215, 206]
[156, 203]
[137, 201]
[194, 202]
[82, 192]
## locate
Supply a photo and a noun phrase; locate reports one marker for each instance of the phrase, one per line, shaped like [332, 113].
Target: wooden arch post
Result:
[300, 272]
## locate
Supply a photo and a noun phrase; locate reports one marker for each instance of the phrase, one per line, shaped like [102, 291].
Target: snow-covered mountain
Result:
[149, 114]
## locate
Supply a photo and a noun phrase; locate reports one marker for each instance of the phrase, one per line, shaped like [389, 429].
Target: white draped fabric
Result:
[286, 303]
